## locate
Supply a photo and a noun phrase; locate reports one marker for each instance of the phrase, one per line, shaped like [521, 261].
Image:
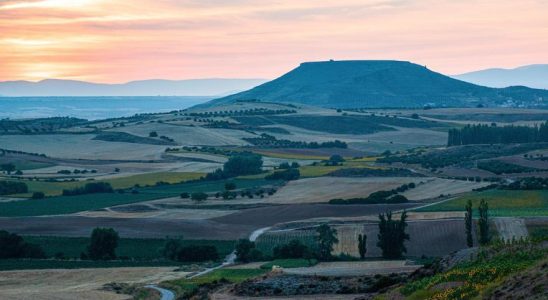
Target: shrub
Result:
[287, 175]
[198, 196]
[90, 188]
[185, 195]
[38, 195]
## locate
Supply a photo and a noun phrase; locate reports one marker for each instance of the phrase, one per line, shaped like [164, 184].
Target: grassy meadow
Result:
[502, 203]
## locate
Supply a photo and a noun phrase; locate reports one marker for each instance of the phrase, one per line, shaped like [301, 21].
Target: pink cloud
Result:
[115, 41]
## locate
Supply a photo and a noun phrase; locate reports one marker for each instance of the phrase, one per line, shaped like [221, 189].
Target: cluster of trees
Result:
[267, 140]
[8, 168]
[243, 112]
[90, 188]
[485, 134]
[392, 235]
[13, 187]
[76, 171]
[287, 175]
[367, 172]
[174, 250]
[527, 183]
[14, 246]
[244, 163]
[325, 240]
[483, 223]
[379, 197]
[391, 238]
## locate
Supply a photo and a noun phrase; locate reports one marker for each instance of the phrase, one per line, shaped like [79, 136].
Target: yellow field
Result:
[56, 188]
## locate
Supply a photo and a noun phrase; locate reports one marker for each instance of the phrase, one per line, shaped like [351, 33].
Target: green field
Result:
[289, 263]
[501, 203]
[72, 204]
[69, 204]
[56, 188]
[137, 249]
[187, 287]
[205, 186]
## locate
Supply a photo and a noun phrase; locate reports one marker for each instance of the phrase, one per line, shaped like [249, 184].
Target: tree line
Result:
[493, 134]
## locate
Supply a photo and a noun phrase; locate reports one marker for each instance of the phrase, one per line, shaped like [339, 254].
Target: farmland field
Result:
[501, 203]
[323, 189]
[69, 204]
[82, 284]
[55, 188]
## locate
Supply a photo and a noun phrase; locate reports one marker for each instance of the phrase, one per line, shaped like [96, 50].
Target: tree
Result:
[198, 196]
[483, 222]
[392, 235]
[8, 168]
[104, 242]
[171, 248]
[14, 246]
[327, 237]
[244, 249]
[362, 245]
[246, 163]
[468, 224]
[153, 134]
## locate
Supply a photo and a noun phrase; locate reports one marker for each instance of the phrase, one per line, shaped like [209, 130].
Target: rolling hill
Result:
[154, 87]
[534, 76]
[353, 84]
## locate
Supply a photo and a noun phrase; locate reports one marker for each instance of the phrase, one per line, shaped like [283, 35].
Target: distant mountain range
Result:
[386, 83]
[533, 76]
[154, 87]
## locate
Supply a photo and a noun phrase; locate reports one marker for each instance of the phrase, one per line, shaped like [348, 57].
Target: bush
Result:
[198, 196]
[287, 175]
[90, 188]
[38, 195]
[12, 187]
[185, 195]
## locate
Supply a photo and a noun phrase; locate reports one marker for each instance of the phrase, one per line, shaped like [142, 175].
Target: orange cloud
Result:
[117, 41]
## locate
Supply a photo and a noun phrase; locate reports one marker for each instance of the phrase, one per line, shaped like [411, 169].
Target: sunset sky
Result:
[123, 40]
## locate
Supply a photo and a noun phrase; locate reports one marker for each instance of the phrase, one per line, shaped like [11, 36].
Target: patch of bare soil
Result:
[77, 284]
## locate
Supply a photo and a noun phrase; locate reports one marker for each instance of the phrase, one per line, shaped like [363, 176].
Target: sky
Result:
[122, 40]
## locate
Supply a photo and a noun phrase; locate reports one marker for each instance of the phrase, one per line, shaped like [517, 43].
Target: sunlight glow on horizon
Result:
[119, 41]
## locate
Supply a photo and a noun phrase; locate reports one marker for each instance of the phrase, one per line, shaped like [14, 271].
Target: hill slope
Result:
[352, 84]
[534, 76]
[156, 87]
